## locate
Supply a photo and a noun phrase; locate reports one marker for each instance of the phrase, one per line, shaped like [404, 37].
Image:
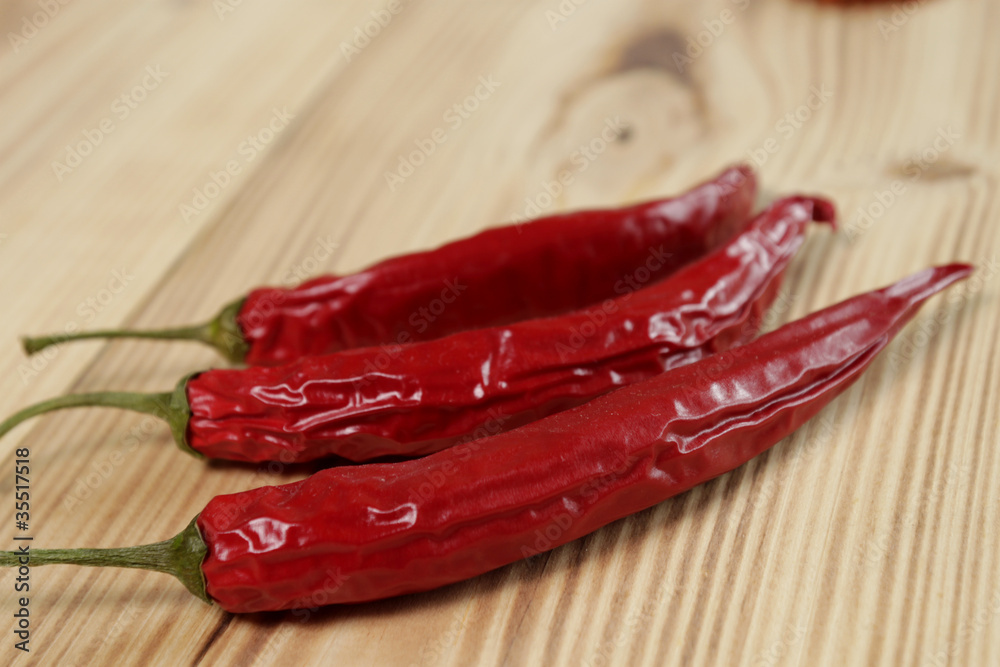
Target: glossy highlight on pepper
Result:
[419, 398]
[353, 534]
[539, 268]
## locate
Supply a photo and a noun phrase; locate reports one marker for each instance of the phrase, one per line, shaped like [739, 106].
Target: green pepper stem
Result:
[180, 556]
[221, 332]
[199, 332]
[172, 407]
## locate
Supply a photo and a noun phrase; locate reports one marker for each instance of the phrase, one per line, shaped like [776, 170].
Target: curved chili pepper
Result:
[548, 266]
[353, 534]
[419, 398]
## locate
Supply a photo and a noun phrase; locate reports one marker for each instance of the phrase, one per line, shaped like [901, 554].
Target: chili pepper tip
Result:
[824, 211]
[221, 332]
[923, 284]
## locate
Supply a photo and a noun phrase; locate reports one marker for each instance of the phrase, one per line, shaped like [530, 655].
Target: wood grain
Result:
[869, 537]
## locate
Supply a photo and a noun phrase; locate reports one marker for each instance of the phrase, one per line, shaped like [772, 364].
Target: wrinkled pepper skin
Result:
[544, 267]
[359, 533]
[420, 398]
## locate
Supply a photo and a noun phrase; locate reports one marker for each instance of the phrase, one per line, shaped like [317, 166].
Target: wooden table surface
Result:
[160, 158]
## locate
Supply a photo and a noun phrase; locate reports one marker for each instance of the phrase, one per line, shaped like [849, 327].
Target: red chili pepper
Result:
[419, 398]
[358, 533]
[505, 274]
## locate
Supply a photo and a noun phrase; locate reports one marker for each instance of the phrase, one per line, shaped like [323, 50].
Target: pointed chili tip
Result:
[924, 284]
[956, 270]
[824, 211]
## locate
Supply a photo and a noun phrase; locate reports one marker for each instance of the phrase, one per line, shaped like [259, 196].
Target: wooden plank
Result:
[869, 537]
